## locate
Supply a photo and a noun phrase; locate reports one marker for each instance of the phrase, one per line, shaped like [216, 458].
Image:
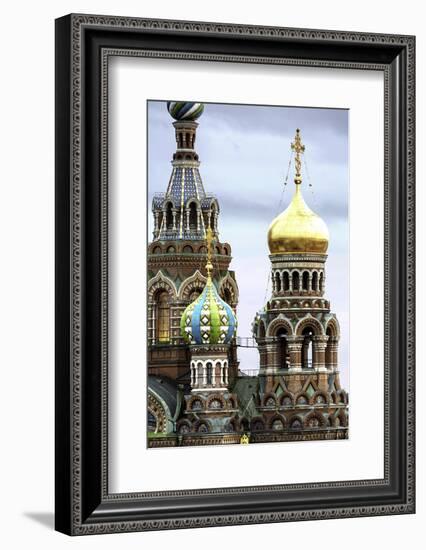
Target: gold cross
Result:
[298, 147]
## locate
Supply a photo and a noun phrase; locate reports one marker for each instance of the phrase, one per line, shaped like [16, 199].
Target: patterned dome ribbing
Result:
[208, 320]
[181, 110]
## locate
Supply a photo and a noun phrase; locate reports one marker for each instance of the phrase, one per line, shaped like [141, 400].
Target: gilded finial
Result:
[209, 241]
[298, 147]
[244, 439]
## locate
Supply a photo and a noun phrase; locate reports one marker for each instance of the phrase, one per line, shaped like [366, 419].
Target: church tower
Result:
[296, 332]
[177, 254]
[208, 325]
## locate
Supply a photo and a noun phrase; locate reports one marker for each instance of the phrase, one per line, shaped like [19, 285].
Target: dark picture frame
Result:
[83, 45]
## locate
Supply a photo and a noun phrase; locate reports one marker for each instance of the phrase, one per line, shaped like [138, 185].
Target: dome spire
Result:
[209, 242]
[298, 147]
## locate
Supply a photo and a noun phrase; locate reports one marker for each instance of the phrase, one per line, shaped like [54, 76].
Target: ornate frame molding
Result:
[84, 43]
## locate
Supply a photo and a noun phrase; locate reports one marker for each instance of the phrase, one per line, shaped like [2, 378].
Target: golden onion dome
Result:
[298, 229]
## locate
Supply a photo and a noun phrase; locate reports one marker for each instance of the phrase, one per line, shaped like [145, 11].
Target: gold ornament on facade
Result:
[298, 229]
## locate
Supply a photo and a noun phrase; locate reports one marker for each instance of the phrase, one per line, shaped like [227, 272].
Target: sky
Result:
[244, 152]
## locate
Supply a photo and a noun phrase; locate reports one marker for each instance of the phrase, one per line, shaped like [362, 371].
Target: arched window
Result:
[277, 282]
[315, 281]
[305, 280]
[171, 249]
[162, 327]
[307, 351]
[296, 281]
[209, 373]
[281, 336]
[187, 249]
[169, 216]
[286, 281]
[193, 215]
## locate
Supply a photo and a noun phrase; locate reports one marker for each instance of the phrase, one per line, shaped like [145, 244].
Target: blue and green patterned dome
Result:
[181, 110]
[208, 320]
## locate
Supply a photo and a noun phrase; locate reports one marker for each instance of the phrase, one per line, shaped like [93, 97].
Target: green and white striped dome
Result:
[209, 319]
[181, 110]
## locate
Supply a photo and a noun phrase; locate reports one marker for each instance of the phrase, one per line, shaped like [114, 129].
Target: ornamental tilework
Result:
[208, 320]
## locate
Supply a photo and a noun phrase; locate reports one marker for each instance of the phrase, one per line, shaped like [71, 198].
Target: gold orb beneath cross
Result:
[298, 229]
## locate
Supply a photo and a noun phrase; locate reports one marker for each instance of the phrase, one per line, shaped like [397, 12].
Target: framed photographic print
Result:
[234, 274]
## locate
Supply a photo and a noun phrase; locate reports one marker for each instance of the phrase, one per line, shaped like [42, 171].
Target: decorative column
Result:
[187, 219]
[294, 344]
[204, 375]
[333, 345]
[174, 212]
[320, 343]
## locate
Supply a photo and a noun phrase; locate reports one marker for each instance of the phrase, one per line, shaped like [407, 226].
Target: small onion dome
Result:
[208, 320]
[180, 110]
[298, 229]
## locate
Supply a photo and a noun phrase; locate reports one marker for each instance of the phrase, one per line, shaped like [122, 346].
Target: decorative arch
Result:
[333, 327]
[269, 400]
[231, 403]
[192, 402]
[278, 323]
[343, 419]
[287, 400]
[274, 419]
[257, 424]
[183, 427]
[228, 284]
[301, 398]
[318, 394]
[315, 420]
[216, 397]
[309, 321]
[196, 281]
[342, 397]
[295, 423]
[161, 282]
[201, 426]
